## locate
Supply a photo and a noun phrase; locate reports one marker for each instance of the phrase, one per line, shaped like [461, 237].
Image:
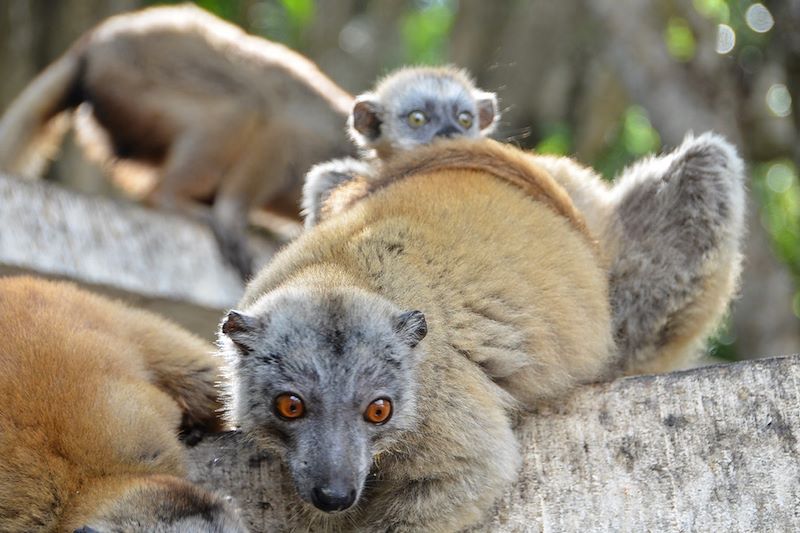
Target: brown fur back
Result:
[517, 168]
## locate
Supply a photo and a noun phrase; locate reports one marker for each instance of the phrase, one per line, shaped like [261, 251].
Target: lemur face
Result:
[416, 106]
[327, 380]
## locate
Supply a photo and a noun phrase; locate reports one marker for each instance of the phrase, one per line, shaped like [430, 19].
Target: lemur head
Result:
[327, 379]
[413, 106]
[160, 504]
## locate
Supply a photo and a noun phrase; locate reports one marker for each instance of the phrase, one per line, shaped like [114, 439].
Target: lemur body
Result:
[93, 394]
[410, 107]
[224, 116]
[453, 294]
[669, 231]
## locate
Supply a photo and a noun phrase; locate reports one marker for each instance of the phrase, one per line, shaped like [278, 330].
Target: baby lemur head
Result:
[413, 106]
[160, 504]
[327, 379]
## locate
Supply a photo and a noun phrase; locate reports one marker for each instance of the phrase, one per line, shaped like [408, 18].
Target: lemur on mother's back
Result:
[410, 107]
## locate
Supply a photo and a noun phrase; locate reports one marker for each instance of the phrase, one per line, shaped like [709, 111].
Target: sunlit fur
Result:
[516, 305]
[93, 394]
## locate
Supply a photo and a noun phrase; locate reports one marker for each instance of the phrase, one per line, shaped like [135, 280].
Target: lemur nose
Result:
[331, 499]
[447, 131]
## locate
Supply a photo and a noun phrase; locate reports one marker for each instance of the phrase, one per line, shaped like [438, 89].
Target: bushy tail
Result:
[32, 127]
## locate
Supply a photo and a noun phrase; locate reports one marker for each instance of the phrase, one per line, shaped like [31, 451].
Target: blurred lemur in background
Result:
[223, 117]
[409, 107]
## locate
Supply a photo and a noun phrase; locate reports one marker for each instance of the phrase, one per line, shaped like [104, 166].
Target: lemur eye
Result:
[288, 406]
[465, 119]
[379, 411]
[416, 119]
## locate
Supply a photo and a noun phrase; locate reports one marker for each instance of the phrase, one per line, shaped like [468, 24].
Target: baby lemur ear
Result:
[487, 110]
[367, 117]
[241, 329]
[411, 326]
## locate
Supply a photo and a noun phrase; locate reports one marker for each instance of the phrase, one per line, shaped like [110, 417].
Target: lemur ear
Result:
[411, 326]
[487, 110]
[240, 328]
[366, 117]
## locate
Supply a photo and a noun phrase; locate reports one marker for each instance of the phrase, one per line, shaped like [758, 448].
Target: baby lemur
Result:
[385, 353]
[93, 394]
[224, 117]
[409, 107]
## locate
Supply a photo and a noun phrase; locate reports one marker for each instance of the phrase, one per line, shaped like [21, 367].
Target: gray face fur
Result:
[337, 352]
[443, 96]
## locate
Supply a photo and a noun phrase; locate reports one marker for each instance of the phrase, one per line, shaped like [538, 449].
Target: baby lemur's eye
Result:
[465, 119]
[288, 406]
[416, 119]
[379, 411]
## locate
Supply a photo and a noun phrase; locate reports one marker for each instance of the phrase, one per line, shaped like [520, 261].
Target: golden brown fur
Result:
[93, 393]
[517, 169]
[222, 115]
[516, 305]
[668, 231]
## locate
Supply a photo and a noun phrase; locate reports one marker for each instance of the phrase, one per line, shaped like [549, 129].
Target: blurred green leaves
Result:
[425, 31]
[680, 39]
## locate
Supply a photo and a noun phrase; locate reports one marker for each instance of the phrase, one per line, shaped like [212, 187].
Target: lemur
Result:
[93, 395]
[387, 354]
[224, 117]
[409, 107]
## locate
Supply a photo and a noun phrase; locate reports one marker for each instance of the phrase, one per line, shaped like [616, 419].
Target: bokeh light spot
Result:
[726, 39]
[780, 177]
[779, 100]
[759, 18]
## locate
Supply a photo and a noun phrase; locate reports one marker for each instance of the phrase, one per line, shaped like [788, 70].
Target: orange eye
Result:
[288, 406]
[379, 411]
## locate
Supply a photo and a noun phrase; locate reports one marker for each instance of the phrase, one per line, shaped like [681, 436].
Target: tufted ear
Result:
[241, 329]
[366, 117]
[487, 110]
[411, 326]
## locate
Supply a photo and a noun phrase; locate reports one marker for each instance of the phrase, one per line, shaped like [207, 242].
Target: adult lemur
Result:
[224, 117]
[92, 394]
[385, 353]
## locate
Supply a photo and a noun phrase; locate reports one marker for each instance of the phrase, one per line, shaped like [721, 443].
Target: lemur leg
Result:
[200, 164]
[678, 224]
[322, 179]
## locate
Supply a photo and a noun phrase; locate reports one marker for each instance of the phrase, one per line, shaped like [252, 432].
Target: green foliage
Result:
[557, 140]
[299, 14]
[716, 10]
[777, 186]
[425, 31]
[680, 39]
[636, 137]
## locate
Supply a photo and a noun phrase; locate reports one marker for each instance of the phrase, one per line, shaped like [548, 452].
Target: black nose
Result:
[448, 131]
[329, 500]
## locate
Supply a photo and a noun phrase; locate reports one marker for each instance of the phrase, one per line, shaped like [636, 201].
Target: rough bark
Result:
[710, 449]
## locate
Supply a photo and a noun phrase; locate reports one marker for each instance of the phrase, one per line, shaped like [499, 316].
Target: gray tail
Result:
[32, 127]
